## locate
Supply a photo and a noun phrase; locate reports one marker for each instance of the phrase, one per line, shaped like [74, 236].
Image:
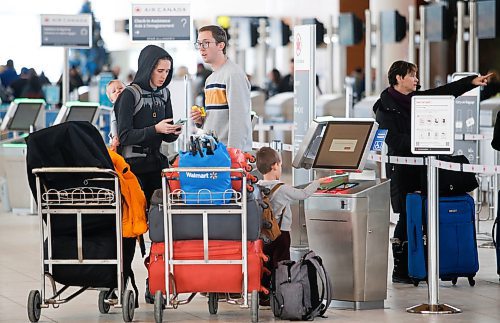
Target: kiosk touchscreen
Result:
[78, 111]
[22, 114]
[336, 143]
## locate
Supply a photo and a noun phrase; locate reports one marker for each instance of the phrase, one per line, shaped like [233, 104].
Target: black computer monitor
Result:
[336, 143]
[82, 113]
[22, 114]
[343, 145]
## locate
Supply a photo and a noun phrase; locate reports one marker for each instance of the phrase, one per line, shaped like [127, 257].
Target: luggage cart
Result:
[235, 205]
[90, 198]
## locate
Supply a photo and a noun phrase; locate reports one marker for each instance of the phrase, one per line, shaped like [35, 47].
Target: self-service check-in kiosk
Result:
[348, 224]
[78, 111]
[22, 117]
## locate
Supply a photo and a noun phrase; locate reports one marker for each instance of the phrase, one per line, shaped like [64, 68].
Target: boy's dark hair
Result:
[218, 33]
[266, 158]
[400, 68]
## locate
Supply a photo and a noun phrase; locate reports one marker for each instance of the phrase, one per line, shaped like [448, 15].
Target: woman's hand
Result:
[165, 126]
[481, 80]
[115, 142]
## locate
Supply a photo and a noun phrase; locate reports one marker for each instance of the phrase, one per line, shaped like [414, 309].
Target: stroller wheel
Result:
[34, 302]
[103, 306]
[128, 306]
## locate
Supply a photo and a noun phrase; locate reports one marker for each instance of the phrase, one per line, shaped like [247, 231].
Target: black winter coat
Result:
[138, 130]
[397, 120]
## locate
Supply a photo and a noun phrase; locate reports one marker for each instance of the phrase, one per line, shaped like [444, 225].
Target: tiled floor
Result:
[19, 273]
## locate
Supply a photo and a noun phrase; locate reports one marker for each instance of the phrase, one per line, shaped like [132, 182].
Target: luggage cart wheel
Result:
[128, 306]
[213, 303]
[454, 281]
[472, 282]
[34, 309]
[254, 310]
[158, 307]
[103, 306]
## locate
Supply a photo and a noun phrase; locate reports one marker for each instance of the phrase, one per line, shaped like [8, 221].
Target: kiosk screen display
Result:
[25, 116]
[81, 113]
[343, 145]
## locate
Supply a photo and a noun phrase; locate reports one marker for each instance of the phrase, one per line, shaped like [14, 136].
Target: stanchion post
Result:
[432, 233]
[433, 306]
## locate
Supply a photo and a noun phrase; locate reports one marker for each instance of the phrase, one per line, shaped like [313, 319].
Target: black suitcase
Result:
[190, 226]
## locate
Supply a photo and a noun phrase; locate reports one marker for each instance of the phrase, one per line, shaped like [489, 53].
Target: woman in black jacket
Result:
[393, 112]
[144, 118]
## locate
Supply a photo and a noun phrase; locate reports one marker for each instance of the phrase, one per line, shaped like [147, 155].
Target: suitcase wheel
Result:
[472, 282]
[454, 281]
[415, 282]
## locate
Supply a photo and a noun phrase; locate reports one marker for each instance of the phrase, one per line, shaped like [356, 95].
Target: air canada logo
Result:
[298, 45]
[212, 175]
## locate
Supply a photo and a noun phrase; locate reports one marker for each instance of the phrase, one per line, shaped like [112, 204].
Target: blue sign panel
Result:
[378, 141]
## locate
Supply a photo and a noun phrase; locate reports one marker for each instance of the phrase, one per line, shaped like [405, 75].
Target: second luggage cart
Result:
[215, 266]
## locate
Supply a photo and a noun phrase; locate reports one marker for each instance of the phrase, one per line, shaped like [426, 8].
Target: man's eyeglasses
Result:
[204, 44]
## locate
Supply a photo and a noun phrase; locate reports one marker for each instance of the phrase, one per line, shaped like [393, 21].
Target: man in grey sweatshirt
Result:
[227, 93]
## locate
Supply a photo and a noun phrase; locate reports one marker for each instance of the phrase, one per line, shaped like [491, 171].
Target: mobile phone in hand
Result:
[181, 121]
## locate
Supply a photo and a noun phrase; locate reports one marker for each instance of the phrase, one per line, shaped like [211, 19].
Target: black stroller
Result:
[78, 199]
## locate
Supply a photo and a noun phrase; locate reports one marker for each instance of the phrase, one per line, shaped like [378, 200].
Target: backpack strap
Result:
[274, 189]
[137, 92]
[326, 285]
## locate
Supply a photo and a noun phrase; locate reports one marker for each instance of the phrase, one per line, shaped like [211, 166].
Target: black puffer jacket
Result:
[397, 120]
[139, 130]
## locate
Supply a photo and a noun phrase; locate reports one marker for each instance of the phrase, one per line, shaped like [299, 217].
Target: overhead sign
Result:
[160, 22]
[432, 128]
[73, 31]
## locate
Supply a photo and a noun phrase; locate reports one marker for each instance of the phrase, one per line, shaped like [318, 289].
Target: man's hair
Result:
[266, 158]
[218, 33]
[400, 68]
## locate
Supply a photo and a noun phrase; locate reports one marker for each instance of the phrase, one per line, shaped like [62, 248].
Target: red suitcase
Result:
[206, 278]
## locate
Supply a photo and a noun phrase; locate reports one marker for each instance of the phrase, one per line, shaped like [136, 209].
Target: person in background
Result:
[33, 86]
[227, 93]
[273, 83]
[393, 112]
[268, 163]
[9, 74]
[202, 74]
[113, 90]
[287, 82]
[20, 83]
[180, 72]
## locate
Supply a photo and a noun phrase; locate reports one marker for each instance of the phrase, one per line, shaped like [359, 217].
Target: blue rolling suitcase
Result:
[457, 238]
